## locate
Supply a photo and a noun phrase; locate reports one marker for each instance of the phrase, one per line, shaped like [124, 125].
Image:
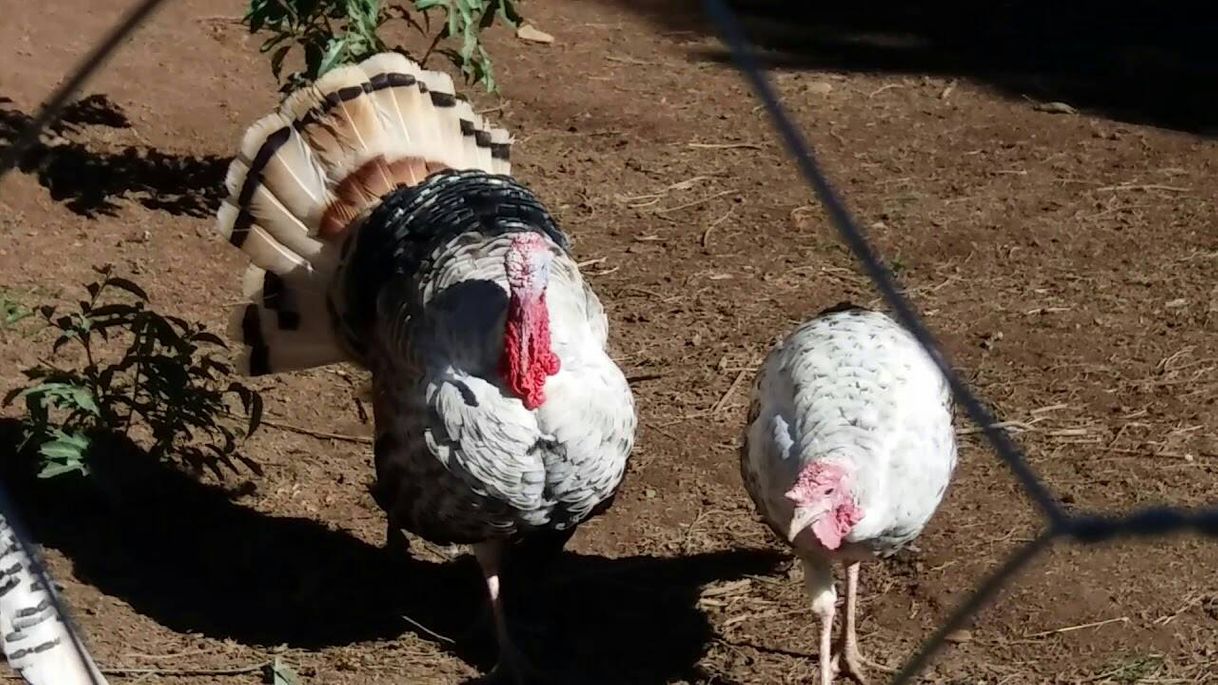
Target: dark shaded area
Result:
[1140, 62]
[90, 182]
[193, 559]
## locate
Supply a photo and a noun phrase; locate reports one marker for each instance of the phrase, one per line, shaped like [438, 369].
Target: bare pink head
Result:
[528, 359]
[823, 502]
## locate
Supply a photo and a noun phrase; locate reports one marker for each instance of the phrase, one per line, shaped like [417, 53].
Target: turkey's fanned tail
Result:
[308, 171]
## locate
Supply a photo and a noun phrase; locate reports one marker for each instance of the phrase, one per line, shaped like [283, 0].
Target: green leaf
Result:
[52, 389]
[335, 54]
[64, 449]
[313, 57]
[63, 340]
[84, 400]
[14, 312]
[53, 469]
[453, 21]
[508, 13]
[277, 60]
[255, 414]
[129, 286]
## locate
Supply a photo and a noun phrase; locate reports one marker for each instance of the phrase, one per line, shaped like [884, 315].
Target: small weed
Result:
[166, 378]
[1135, 670]
[12, 311]
[335, 32]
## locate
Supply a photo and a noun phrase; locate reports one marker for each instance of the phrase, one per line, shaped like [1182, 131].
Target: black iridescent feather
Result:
[404, 230]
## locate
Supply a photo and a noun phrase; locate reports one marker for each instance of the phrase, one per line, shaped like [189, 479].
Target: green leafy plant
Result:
[330, 33]
[136, 369]
[12, 310]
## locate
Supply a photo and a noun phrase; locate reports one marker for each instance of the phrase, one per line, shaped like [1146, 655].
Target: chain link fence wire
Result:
[83, 72]
[1085, 528]
[9, 159]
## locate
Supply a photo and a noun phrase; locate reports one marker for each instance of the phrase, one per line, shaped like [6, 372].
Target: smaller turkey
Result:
[848, 451]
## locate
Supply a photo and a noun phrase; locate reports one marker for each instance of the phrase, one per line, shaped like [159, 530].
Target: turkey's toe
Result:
[482, 627]
[514, 668]
[853, 664]
[397, 545]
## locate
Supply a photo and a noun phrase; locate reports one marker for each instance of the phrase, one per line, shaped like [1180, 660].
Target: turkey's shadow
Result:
[1139, 62]
[89, 181]
[192, 558]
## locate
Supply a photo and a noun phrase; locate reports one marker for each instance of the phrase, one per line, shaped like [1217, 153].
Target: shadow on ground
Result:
[89, 181]
[192, 558]
[1140, 62]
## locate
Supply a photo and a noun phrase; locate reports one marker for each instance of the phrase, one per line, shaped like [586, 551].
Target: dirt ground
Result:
[1067, 261]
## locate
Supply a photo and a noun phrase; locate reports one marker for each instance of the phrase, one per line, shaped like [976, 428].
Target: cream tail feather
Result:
[307, 172]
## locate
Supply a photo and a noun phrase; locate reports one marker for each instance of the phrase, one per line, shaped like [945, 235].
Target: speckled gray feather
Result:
[422, 301]
[853, 386]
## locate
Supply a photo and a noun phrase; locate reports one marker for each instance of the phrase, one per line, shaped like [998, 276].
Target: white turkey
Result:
[848, 452]
[39, 642]
[385, 229]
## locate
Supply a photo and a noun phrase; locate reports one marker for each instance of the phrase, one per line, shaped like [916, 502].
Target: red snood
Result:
[527, 358]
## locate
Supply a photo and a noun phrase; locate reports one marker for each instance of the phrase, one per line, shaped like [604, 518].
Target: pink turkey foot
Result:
[512, 666]
[849, 660]
[484, 626]
[397, 545]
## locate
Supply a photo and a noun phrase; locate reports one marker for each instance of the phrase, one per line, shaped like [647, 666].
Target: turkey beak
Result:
[801, 518]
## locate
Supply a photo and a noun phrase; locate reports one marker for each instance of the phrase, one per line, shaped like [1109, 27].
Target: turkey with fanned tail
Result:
[384, 228]
[848, 452]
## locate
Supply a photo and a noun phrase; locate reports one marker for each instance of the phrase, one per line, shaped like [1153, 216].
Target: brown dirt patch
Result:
[1067, 261]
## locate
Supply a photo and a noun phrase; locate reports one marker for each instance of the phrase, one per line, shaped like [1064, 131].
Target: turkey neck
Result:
[528, 358]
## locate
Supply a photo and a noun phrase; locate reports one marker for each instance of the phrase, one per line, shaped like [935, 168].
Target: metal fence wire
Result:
[1059, 523]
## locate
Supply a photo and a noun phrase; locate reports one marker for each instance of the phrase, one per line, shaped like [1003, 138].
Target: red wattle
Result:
[528, 359]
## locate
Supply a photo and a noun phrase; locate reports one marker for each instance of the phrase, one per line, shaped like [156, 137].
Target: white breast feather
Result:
[488, 437]
[854, 385]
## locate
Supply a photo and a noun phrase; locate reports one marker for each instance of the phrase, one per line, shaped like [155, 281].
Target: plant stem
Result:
[434, 42]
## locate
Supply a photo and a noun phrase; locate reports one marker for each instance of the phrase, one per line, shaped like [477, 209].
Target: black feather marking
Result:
[253, 179]
[398, 238]
[288, 320]
[277, 297]
[378, 82]
[482, 138]
[389, 80]
[840, 307]
[337, 97]
[26, 612]
[251, 335]
[272, 290]
[501, 151]
[467, 127]
[443, 99]
[384, 444]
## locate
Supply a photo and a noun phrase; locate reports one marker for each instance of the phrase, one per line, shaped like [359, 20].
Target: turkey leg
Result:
[512, 666]
[818, 580]
[850, 657]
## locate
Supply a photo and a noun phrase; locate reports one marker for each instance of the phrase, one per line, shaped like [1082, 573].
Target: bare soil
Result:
[1066, 260]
